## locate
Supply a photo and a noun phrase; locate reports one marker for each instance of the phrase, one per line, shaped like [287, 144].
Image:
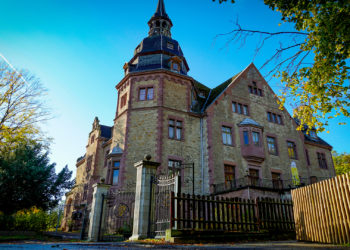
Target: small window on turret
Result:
[176, 67]
[170, 45]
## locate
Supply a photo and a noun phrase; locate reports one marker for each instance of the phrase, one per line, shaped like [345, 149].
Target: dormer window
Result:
[176, 67]
[170, 45]
[313, 134]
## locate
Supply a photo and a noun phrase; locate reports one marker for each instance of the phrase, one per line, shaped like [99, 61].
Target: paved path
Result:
[123, 245]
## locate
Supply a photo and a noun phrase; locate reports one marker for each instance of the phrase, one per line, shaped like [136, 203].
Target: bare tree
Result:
[21, 106]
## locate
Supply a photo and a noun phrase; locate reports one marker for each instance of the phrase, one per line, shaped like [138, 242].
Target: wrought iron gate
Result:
[118, 218]
[161, 188]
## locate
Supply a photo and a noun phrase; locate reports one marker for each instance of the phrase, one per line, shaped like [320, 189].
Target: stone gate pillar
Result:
[145, 170]
[96, 210]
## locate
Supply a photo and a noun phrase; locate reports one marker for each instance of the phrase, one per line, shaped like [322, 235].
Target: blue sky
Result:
[78, 48]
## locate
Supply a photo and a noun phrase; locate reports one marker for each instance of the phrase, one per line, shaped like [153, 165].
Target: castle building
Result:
[235, 134]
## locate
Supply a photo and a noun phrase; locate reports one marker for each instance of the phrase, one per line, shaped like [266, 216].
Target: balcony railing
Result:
[256, 182]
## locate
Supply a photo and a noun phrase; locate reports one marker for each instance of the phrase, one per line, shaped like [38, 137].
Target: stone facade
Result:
[165, 113]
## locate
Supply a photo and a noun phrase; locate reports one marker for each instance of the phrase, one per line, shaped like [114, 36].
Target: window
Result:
[272, 117]
[271, 145]
[256, 138]
[123, 101]
[255, 90]
[234, 107]
[245, 109]
[88, 163]
[307, 157]
[322, 162]
[240, 108]
[146, 94]
[173, 166]
[175, 129]
[313, 134]
[291, 150]
[115, 175]
[92, 139]
[229, 176]
[85, 192]
[313, 179]
[105, 163]
[170, 45]
[253, 177]
[276, 180]
[226, 135]
[246, 137]
[176, 67]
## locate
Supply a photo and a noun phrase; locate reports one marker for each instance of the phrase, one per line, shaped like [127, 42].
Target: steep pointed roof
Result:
[160, 11]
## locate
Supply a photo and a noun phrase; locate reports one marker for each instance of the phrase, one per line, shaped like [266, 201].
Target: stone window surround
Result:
[259, 88]
[307, 157]
[231, 126]
[145, 87]
[179, 119]
[324, 155]
[123, 100]
[274, 113]
[230, 163]
[243, 104]
[295, 149]
[109, 177]
[251, 129]
[255, 167]
[276, 143]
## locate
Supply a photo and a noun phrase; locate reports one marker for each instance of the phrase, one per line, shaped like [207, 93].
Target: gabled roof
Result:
[217, 91]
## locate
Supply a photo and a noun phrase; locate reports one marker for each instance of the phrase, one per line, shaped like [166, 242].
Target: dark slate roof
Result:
[218, 90]
[106, 131]
[158, 43]
[249, 121]
[160, 11]
[307, 137]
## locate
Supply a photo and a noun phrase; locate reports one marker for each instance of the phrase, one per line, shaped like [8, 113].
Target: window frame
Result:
[228, 134]
[294, 150]
[240, 108]
[146, 96]
[275, 144]
[175, 128]
[258, 142]
[123, 100]
[322, 160]
[115, 168]
[231, 173]
[274, 118]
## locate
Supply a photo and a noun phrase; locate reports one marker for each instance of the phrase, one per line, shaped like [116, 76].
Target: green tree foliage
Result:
[27, 178]
[315, 72]
[21, 106]
[341, 163]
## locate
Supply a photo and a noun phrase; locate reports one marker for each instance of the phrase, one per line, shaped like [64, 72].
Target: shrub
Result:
[32, 219]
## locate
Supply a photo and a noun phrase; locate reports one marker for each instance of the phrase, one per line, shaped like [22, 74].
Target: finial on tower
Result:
[160, 23]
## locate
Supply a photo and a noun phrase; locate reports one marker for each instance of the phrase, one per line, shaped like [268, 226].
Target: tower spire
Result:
[160, 23]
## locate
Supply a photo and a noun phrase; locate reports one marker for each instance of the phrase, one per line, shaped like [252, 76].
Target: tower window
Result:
[170, 45]
[123, 101]
[176, 67]
[115, 175]
[146, 93]
[175, 129]
[157, 24]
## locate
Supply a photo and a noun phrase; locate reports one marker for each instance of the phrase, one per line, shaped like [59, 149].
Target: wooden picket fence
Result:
[213, 213]
[322, 211]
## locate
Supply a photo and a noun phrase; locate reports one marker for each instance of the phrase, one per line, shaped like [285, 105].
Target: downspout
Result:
[202, 154]
[202, 145]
